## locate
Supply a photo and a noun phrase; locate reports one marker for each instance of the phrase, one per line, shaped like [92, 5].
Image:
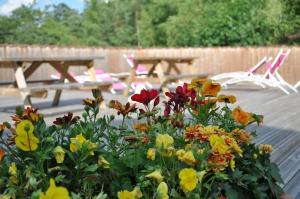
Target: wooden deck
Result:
[281, 126]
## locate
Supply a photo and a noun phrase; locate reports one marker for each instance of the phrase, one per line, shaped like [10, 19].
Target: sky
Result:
[7, 6]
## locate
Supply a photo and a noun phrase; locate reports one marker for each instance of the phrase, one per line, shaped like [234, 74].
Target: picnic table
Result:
[164, 76]
[25, 67]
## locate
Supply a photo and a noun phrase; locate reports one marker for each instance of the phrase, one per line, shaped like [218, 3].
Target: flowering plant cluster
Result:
[194, 146]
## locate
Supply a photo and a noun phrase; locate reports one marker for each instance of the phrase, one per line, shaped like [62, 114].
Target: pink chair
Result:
[271, 77]
[141, 72]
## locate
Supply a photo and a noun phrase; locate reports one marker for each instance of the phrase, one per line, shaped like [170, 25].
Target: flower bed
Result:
[195, 147]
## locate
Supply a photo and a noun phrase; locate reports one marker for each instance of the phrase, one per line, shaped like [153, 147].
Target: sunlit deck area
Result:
[281, 126]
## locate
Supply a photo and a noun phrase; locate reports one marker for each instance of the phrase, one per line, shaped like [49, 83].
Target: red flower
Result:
[145, 97]
[178, 99]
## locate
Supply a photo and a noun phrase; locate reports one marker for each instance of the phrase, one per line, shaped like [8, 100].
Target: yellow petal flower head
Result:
[156, 175]
[102, 162]
[241, 116]
[12, 169]
[55, 192]
[162, 191]
[210, 88]
[59, 154]
[189, 158]
[180, 153]
[151, 154]
[196, 84]
[125, 195]
[164, 141]
[77, 142]
[227, 99]
[137, 192]
[188, 179]
[218, 144]
[265, 148]
[25, 139]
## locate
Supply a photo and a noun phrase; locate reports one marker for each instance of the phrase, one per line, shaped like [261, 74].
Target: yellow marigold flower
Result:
[169, 152]
[218, 144]
[265, 148]
[59, 154]
[102, 162]
[162, 191]
[188, 179]
[92, 146]
[200, 175]
[164, 141]
[125, 195]
[12, 169]
[151, 154]
[233, 144]
[227, 99]
[25, 139]
[142, 127]
[210, 88]
[241, 116]
[156, 175]
[55, 192]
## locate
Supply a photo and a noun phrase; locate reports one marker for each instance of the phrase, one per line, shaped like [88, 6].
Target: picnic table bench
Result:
[164, 76]
[25, 67]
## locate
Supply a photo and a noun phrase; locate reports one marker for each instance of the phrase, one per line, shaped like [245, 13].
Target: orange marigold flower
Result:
[265, 148]
[241, 116]
[210, 88]
[142, 127]
[227, 99]
[2, 154]
[192, 132]
[93, 103]
[218, 162]
[122, 109]
[241, 136]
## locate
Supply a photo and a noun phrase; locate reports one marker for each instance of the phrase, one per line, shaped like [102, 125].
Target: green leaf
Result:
[91, 168]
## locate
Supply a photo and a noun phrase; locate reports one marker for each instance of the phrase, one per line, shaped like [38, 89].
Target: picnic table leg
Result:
[161, 77]
[92, 73]
[130, 79]
[62, 68]
[21, 83]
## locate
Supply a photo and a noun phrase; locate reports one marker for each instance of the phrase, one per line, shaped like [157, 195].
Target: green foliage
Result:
[148, 23]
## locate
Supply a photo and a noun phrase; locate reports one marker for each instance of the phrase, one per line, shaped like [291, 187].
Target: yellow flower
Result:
[12, 169]
[125, 195]
[5, 197]
[102, 162]
[255, 156]
[156, 175]
[232, 164]
[78, 141]
[59, 154]
[162, 191]
[196, 84]
[25, 139]
[241, 116]
[227, 99]
[14, 179]
[151, 154]
[210, 88]
[137, 192]
[186, 156]
[25, 126]
[188, 179]
[164, 141]
[218, 144]
[265, 148]
[200, 175]
[55, 192]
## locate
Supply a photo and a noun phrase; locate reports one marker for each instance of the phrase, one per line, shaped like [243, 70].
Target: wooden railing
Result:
[211, 60]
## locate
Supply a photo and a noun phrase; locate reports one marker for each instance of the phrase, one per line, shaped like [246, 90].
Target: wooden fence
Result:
[212, 60]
